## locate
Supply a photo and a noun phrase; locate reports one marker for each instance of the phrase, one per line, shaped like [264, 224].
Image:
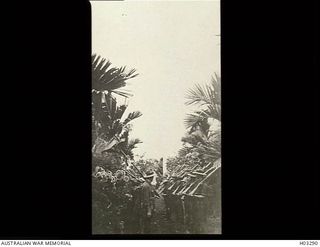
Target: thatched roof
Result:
[196, 176]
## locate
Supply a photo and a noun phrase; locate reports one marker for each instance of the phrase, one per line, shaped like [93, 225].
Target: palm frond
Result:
[196, 119]
[211, 148]
[194, 138]
[216, 84]
[109, 79]
[198, 95]
[133, 143]
[132, 116]
[123, 93]
[209, 97]
[184, 151]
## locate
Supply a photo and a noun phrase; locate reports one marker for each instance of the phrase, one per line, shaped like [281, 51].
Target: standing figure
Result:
[166, 195]
[146, 208]
[132, 223]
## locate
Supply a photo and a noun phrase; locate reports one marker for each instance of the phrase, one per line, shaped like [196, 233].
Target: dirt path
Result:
[160, 224]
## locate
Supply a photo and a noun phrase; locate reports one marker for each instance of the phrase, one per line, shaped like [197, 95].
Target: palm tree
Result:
[206, 144]
[107, 81]
[202, 138]
[109, 128]
[209, 99]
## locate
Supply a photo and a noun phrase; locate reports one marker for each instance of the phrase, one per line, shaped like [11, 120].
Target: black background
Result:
[270, 122]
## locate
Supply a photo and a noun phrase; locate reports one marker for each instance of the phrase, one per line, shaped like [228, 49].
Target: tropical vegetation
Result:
[193, 177]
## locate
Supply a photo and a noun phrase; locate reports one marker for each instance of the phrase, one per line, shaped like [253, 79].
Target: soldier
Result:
[166, 196]
[134, 206]
[146, 206]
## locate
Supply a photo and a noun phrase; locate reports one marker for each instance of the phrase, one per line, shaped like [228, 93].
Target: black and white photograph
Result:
[157, 122]
[156, 117]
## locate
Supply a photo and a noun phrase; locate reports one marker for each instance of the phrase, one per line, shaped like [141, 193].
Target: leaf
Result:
[109, 79]
[132, 116]
[208, 97]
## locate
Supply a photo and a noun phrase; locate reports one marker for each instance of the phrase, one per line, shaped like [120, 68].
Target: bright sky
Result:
[173, 45]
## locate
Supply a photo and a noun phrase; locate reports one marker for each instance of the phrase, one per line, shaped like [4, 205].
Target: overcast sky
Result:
[173, 45]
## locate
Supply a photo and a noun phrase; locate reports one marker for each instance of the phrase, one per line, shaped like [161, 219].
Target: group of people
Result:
[181, 212]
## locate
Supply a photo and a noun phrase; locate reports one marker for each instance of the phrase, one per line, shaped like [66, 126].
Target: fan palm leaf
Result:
[106, 79]
[197, 119]
[132, 116]
[208, 96]
[133, 143]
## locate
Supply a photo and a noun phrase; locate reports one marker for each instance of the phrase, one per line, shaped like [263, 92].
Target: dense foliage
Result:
[202, 142]
[193, 190]
[113, 180]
